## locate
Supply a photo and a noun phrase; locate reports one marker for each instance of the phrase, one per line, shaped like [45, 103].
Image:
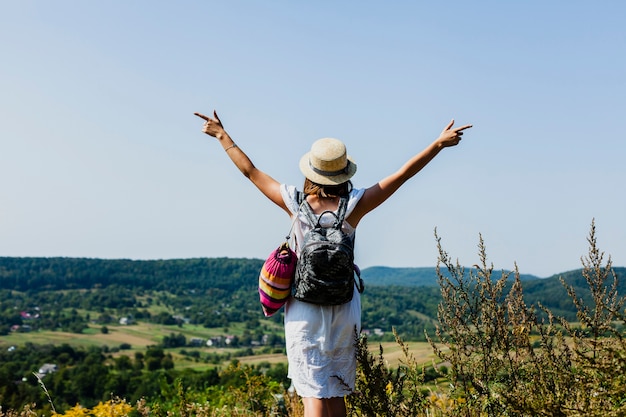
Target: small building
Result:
[214, 341]
[47, 368]
[196, 341]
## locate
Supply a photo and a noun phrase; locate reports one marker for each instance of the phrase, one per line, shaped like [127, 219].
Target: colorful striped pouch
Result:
[276, 278]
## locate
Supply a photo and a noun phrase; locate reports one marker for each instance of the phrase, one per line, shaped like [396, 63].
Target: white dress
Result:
[321, 339]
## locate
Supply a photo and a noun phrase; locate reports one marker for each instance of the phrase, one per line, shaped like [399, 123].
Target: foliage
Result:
[174, 276]
[70, 293]
[409, 277]
[110, 408]
[381, 391]
[497, 355]
[506, 360]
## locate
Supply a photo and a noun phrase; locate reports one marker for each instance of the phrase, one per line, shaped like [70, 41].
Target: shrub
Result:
[496, 368]
[381, 391]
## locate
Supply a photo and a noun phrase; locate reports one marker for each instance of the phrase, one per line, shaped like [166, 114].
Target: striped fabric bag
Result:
[276, 278]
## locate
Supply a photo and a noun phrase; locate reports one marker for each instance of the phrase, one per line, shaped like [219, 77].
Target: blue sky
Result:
[101, 156]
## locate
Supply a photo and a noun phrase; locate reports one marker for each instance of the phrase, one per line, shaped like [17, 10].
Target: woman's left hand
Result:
[212, 127]
[451, 136]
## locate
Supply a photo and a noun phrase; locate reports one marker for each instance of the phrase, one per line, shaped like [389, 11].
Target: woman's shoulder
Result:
[353, 199]
[290, 196]
[356, 193]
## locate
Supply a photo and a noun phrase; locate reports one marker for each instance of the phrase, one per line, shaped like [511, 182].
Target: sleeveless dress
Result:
[321, 339]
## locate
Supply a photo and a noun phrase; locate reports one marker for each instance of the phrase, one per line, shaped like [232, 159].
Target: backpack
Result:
[325, 269]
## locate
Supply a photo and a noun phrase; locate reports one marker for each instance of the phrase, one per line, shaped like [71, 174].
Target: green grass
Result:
[141, 335]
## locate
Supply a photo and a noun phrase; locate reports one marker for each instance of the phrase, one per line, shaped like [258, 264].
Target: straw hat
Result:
[327, 163]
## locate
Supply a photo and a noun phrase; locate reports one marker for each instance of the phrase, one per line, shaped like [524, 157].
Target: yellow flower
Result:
[389, 388]
[76, 411]
[111, 408]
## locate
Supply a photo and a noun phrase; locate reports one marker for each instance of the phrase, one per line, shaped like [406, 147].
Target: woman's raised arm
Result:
[381, 191]
[266, 184]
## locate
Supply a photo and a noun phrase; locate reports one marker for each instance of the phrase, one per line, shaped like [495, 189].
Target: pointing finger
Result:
[458, 129]
[202, 116]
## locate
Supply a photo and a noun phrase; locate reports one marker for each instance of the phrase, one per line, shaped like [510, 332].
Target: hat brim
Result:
[317, 178]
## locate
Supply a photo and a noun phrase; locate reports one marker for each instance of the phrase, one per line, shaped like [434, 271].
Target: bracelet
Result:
[234, 145]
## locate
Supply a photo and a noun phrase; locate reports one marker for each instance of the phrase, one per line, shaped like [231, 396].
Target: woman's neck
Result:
[320, 204]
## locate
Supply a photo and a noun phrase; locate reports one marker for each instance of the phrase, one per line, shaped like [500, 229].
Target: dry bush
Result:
[505, 359]
[383, 391]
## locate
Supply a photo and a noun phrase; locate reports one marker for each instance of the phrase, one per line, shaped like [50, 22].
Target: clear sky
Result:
[101, 156]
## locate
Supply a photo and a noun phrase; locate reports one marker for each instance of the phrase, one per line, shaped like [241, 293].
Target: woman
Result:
[321, 339]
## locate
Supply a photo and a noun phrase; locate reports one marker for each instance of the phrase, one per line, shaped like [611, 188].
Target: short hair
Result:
[311, 188]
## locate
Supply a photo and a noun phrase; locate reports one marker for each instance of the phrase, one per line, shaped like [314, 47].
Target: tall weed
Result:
[383, 391]
[507, 359]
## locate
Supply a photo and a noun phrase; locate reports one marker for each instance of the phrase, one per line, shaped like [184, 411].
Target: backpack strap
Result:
[341, 210]
[360, 286]
[300, 199]
[308, 212]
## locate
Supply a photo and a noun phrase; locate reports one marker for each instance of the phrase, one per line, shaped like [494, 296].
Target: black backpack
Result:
[325, 269]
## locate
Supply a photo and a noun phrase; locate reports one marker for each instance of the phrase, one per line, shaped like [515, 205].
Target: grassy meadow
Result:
[142, 335]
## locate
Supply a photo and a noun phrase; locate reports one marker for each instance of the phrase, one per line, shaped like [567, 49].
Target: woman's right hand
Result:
[212, 127]
[451, 136]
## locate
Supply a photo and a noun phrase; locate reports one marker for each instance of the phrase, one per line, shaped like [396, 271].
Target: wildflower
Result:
[389, 388]
[112, 408]
[76, 411]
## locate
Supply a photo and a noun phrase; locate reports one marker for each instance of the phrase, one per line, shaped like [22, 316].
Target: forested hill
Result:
[408, 277]
[24, 274]
[550, 292]
[221, 277]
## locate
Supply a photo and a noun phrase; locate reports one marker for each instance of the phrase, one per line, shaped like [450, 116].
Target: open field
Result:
[141, 335]
[137, 335]
[421, 352]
